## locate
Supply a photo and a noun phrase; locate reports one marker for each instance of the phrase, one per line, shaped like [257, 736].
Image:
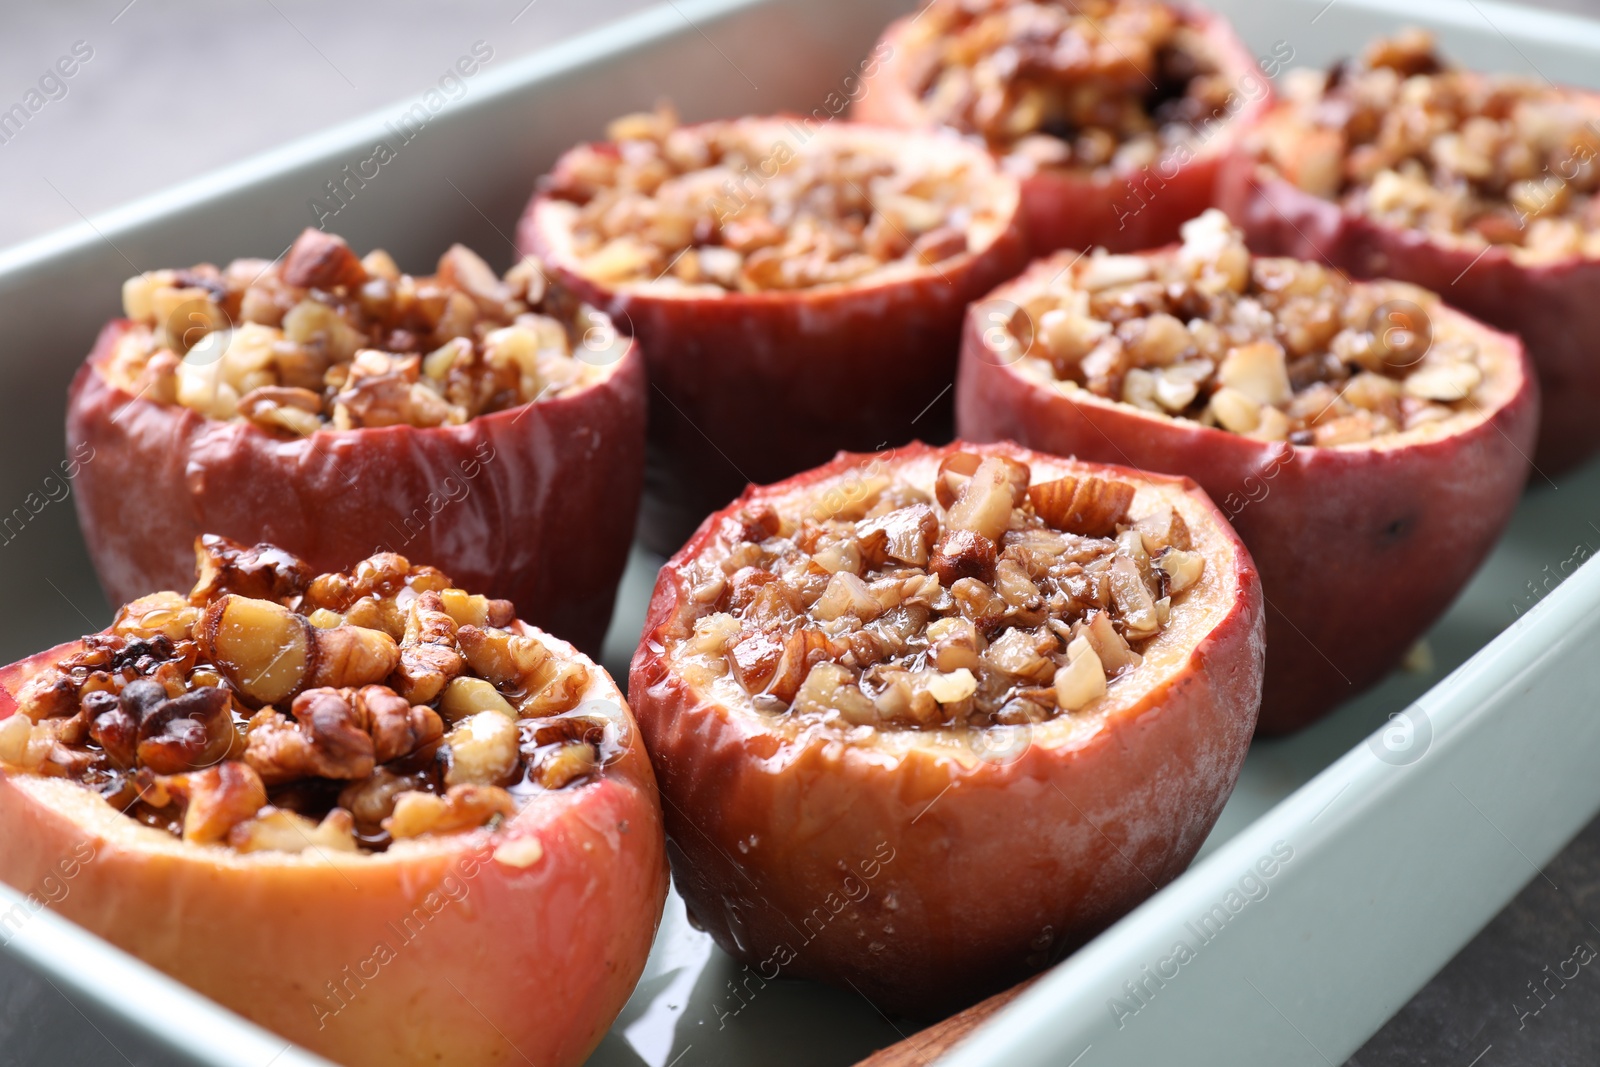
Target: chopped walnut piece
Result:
[327, 739]
[481, 750]
[283, 408]
[264, 649]
[219, 799]
[567, 764]
[180, 733]
[329, 340]
[262, 572]
[165, 614]
[468, 696]
[429, 655]
[1269, 348]
[398, 727]
[1083, 679]
[350, 656]
[963, 554]
[464, 807]
[822, 620]
[833, 208]
[1089, 506]
[505, 659]
[150, 713]
[1471, 159]
[114, 727]
[319, 260]
[558, 695]
[46, 696]
[904, 534]
[983, 502]
[279, 830]
[1095, 85]
[16, 748]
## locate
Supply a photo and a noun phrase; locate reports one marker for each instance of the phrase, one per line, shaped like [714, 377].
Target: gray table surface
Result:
[176, 88]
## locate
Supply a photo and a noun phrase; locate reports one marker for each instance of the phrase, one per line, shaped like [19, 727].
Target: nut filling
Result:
[275, 709]
[1275, 349]
[993, 601]
[1093, 84]
[1474, 159]
[326, 340]
[756, 205]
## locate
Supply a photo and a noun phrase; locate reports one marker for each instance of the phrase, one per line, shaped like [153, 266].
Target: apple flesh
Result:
[929, 868]
[752, 387]
[1361, 547]
[1078, 209]
[497, 502]
[505, 946]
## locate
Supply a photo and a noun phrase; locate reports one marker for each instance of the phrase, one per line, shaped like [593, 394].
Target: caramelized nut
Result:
[1089, 506]
[1082, 680]
[463, 807]
[481, 750]
[566, 765]
[560, 694]
[266, 651]
[262, 572]
[398, 728]
[280, 830]
[468, 696]
[220, 798]
[319, 260]
[984, 501]
[327, 740]
[429, 656]
[188, 731]
[963, 554]
[350, 656]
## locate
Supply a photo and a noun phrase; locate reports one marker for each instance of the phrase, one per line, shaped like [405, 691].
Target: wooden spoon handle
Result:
[927, 1045]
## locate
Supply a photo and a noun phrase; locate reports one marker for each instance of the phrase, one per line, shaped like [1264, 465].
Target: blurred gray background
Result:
[176, 88]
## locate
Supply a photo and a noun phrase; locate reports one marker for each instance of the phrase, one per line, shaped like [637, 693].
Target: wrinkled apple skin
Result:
[547, 953]
[1066, 208]
[1360, 551]
[534, 504]
[1554, 308]
[753, 387]
[924, 882]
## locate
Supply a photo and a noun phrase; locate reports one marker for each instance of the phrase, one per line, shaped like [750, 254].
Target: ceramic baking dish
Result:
[1393, 830]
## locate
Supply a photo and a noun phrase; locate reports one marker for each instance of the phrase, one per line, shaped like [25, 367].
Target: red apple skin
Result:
[1068, 208]
[753, 387]
[1360, 550]
[1554, 308]
[922, 882]
[547, 952]
[544, 518]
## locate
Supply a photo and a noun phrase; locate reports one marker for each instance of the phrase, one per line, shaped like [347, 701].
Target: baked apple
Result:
[1113, 113]
[924, 719]
[769, 267]
[335, 406]
[1479, 187]
[369, 810]
[1368, 442]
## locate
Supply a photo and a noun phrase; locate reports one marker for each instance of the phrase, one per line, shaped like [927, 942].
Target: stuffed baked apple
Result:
[1479, 187]
[770, 267]
[369, 810]
[334, 406]
[927, 718]
[1368, 443]
[1113, 113]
